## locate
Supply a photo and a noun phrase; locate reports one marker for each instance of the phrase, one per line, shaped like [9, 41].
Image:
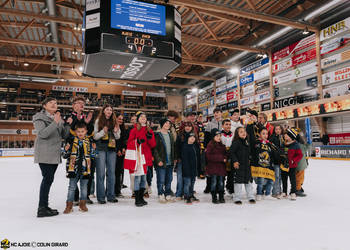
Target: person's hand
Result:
[88, 118]
[116, 128]
[94, 145]
[225, 160]
[70, 120]
[160, 164]
[119, 153]
[105, 129]
[236, 165]
[57, 117]
[66, 148]
[123, 151]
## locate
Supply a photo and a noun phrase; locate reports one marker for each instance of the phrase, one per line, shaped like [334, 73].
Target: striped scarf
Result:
[73, 164]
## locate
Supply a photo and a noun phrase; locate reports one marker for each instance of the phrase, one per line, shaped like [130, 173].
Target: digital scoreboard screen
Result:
[138, 16]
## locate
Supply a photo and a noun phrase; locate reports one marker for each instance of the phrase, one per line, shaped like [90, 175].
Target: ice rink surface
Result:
[319, 221]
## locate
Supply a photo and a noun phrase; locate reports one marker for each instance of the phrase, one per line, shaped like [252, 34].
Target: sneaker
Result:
[258, 197]
[88, 201]
[169, 198]
[276, 196]
[120, 195]
[101, 202]
[252, 201]
[188, 201]
[45, 212]
[162, 199]
[300, 194]
[92, 196]
[268, 197]
[284, 196]
[124, 186]
[293, 197]
[113, 200]
[238, 202]
[149, 190]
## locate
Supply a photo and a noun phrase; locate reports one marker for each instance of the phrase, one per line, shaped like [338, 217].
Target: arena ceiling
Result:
[212, 30]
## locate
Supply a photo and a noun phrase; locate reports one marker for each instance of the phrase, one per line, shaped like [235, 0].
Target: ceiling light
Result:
[81, 68]
[194, 90]
[44, 10]
[25, 64]
[233, 70]
[306, 31]
[48, 35]
[75, 52]
[47, 24]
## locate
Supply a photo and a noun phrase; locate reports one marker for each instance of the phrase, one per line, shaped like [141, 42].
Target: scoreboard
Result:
[127, 39]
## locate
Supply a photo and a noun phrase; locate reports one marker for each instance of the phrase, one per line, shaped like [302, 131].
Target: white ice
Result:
[319, 221]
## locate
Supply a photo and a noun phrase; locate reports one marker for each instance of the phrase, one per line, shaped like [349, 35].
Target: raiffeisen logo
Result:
[133, 68]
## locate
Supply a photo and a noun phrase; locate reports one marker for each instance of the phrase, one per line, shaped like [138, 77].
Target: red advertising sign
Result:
[304, 57]
[339, 139]
[231, 95]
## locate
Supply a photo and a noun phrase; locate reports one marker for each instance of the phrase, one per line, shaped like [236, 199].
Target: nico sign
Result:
[287, 102]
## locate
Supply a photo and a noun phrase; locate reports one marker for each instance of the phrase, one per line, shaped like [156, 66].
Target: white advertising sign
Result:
[69, 89]
[221, 81]
[248, 90]
[93, 21]
[282, 65]
[221, 99]
[132, 93]
[262, 96]
[92, 4]
[295, 73]
[14, 131]
[335, 59]
[247, 100]
[152, 94]
[261, 74]
[336, 76]
[335, 29]
[337, 91]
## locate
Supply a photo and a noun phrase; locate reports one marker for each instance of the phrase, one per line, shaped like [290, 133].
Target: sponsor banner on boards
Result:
[335, 29]
[295, 73]
[335, 59]
[336, 76]
[294, 61]
[254, 65]
[69, 89]
[333, 151]
[132, 93]
[154, 94]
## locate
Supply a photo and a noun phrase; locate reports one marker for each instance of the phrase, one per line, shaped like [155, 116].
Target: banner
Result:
[337, 90]
[335, 151]
[265, 106]
[335, 29]
[248, 90]
[294, 61]
[293, 48]
[295, 73]
[254, 65]
[153, 94]
[335, 44]
[231, 84]
[308, 131]
[286, 102]
[247, 79]
[220, 89]
[262, 85]
[69, 89]
[262, 96]
[231, 95]
[261, 74]
[221, 81]
[132, 93]
[247, 100]
[339, 139]
[14, 131]
[16, 151]
[220, 99]
[336, 76]
[335, 59]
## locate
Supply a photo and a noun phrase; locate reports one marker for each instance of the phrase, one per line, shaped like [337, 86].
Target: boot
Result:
[45, 212]
[82, 206]
[188, 200]
[221, 197]
[52, 210]
[142, 191]
[214, 198]
[69, 207]
[138, 202]
[300, 194]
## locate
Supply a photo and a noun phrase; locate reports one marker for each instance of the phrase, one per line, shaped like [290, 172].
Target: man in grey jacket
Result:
[50, 130]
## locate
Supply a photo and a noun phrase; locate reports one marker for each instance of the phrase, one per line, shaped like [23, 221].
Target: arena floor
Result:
[318, 222]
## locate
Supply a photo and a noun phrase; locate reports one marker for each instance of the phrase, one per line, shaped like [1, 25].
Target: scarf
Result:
[75, 161]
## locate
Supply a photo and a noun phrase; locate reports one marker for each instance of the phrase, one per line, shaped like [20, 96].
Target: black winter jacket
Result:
[240, 152]
[190, 160]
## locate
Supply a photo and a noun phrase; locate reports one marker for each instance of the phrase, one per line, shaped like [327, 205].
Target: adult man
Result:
[235, 120]
[262, 119]
[226, 139]
[78, 115]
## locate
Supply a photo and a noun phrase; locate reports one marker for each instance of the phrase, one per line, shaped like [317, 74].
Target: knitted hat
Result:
[292, 133]
[191, 134]
[163, 121]
[234, 111]
[138, 114]
[253, 112]
[215, 132]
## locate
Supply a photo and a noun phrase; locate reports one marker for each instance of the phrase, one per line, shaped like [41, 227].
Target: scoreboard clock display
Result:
[118, 31]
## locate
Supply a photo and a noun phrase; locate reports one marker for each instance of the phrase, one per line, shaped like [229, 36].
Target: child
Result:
[294, 156]
[190, 159]
[262, 169]
[138, 156]
[216, 165]
[277, 140]
[226, 139]
[164, 159]
[79, 156]
[240, 158]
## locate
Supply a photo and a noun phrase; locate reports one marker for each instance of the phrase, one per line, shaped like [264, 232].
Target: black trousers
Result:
[292, 178]
[230, 180]
[48, 172]
[119, 174]
[92, 176]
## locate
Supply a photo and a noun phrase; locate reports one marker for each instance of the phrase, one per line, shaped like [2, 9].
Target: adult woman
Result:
[47, 149]
[106, 133]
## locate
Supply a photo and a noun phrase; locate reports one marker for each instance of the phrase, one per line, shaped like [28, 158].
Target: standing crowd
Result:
[229, 153]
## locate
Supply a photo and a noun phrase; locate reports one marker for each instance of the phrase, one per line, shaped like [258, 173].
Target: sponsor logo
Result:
[332, 30]
[92, 4]
[133, 68]
[117, 68]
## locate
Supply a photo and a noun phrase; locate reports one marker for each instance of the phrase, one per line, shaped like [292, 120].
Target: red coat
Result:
[269, 128]
[215, 155]
[146, 148]
[294, 154]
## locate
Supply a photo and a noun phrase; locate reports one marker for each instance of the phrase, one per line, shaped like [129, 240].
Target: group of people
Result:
[230, 151]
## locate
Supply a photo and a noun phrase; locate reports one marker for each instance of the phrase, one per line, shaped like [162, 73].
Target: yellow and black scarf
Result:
[85, 161]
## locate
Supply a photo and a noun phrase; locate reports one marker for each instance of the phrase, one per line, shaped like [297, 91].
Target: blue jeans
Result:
[73, 185]
[139, 182]
[164, 179]
[188, 186]
[180, 182]
[217, 181]
[149, 176]
[105, 162]
[277, 184]
[263, 184]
